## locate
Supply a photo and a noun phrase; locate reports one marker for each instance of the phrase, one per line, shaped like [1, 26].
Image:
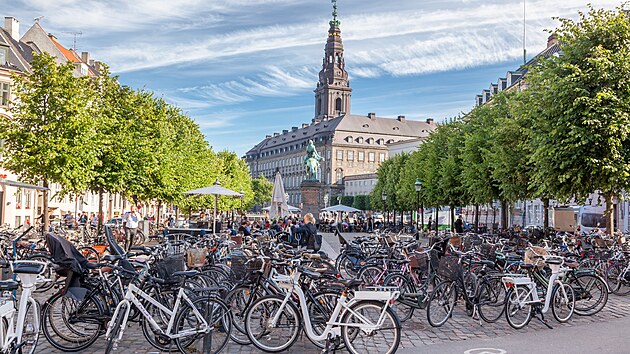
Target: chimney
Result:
[275, 134]
[12, 25]
[294, 129]
[267, 136]
[430, 120]
[304, 125]
[552, 40]
[285, 131]
[98, 65]
[91, 62]
[401, 118]
[85, 57]
[372, 116]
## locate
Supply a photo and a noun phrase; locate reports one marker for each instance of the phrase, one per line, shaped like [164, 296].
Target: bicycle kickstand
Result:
[542, 319]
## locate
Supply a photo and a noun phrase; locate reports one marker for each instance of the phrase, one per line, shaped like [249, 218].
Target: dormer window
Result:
[349, 139]
[4, 55]
[360, 140]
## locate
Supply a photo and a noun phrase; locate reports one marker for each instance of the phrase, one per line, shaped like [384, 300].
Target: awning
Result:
[22, 185]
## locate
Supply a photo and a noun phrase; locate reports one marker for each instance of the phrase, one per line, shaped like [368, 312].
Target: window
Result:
[338, 104]
[328, 154]
[350, 155]
[340, 155]
[370, 140]
[4, 92]
[361, 156]
[381, 157]
[27, 199]
[371, 157]
[4, 55]
[18, 220]
[349, 139]
[339, 176]
[360, 140]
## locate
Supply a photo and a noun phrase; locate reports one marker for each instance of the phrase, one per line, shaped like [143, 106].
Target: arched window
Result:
[339, 176]
[338, 104]
[319, 106]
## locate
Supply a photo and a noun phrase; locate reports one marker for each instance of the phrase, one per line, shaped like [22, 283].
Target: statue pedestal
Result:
[310, 198]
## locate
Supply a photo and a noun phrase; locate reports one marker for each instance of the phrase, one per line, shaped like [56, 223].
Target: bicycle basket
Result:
[256, 264]
[456, 241]
[449, 268]
[196, 257]
[531, 255]
[166, 267]
[238, 263]
[488, 251]
[419, 262]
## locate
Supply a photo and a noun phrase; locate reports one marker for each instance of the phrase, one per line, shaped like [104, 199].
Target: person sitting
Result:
[244, 228]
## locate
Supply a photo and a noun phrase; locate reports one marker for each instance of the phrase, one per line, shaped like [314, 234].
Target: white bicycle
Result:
[366, 323]
[198, 324]
[522, 300]
[19, 329]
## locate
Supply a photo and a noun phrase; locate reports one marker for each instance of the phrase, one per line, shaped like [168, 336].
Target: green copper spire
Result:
[335, 21]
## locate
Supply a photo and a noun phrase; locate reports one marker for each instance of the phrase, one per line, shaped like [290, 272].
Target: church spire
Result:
[332, 95]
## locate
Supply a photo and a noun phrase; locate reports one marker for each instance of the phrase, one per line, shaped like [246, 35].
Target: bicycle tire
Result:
[116, 328]
[391, 322]
[237, 299]
[589, 286]
[372, 275]
[557, 303]
[90, 253]
[403, 306]
[220, 322]
[321, 312]
[512, 306]
[615, 276]
[33, 329]
[91, 308]
[266, 304]
[491, 300]
[444, 296]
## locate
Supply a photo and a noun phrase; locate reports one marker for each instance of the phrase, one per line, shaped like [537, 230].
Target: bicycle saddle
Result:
[28, 268]
[571, 264]
[346, 283]
[8, 285]
[186, 273]
[526, 266]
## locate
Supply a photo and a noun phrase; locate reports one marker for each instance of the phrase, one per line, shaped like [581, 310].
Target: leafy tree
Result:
[580, 110]
[262, 190]
[347, 200]
[361, 202]
[51, 136]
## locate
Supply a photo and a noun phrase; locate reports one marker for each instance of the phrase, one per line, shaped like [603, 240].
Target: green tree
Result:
[361, 202]
[347, 200]
[262, 190]
[51, 136]
[580, 110]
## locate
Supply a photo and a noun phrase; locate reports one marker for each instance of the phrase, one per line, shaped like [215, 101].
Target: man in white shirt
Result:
[130, 220]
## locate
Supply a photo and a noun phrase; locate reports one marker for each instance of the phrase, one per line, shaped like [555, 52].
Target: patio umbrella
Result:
[216, 190]
[291, 208]
[341, 208]
[279, 207]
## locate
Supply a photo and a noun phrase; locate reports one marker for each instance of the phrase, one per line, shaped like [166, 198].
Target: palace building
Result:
[350, 144]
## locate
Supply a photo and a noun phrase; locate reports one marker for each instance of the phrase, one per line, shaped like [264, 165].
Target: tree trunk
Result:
[504, 215]
[437, 216]
[157, 216]
[46, 217]
[610, 214]
[546, 216]
[100, 210]
[452, 218]
[476, 217]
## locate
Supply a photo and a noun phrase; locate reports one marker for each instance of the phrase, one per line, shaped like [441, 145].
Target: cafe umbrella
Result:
[216, 190]
[279, 207]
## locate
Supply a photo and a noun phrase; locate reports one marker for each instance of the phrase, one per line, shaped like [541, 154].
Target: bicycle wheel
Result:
[441, 303]
[383, 339]
[219, 319]
[591, 294]
[346, 267]
[408, 299]
[140, 238]
[115, 329]
[372, 275]
[48, 274]
[618, 279]
[90, 253]
[491, 300]
[30, 330]
[167, 298]
[561, 307]
[270, 338]
[237, 299]
[518, 314]
[71, 325]
[320, 311]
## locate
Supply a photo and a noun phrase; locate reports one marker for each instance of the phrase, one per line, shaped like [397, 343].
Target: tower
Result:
[332, 95]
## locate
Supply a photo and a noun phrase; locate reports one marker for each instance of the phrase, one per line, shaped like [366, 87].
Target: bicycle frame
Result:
[131, 298]
[333, 326]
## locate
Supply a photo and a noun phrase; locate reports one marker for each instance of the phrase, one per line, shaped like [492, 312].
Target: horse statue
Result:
[311, 160]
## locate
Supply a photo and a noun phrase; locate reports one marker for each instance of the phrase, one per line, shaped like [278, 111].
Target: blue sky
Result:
[246, 68]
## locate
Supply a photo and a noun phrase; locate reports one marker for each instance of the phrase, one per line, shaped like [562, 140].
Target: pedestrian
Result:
[93, 221]
[308, 230]
[430, 223]
[459, 225]
[130, 221]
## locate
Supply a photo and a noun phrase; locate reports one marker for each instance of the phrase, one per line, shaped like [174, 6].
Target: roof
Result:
[20, 54]
[360, 177]
[69, 54]
[353, 124]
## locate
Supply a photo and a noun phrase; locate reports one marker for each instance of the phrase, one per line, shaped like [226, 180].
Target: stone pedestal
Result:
[311, 198]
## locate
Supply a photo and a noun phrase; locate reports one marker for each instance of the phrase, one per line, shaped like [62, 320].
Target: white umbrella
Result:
[279, 207]
[216, 189]
[291, 208]
[341, 208]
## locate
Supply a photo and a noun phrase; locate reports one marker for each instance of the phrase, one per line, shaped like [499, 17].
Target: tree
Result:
[51, 135]
[262, 190]
[347, 200]
[580, 110]
[361, 202]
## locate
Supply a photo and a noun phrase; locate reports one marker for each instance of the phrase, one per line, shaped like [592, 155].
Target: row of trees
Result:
[91, 133]
[361, 202]
[561, 135]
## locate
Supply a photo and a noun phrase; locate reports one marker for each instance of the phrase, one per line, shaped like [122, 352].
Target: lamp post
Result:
[418, 186]
[384, 198]
[242, 196]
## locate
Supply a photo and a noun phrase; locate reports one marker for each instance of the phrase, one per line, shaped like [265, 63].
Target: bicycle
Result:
[522, 298]
[367, 316]
[19, 330]
[201, 318]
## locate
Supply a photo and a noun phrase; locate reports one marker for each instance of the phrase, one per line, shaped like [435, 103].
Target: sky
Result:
[243, 69]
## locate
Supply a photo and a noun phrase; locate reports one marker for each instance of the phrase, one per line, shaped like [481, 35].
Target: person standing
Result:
[459, 225]
[130, 220]
[430, 223]
[309, 233]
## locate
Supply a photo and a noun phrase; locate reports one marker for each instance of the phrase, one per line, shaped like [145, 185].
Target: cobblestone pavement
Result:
[416, 333]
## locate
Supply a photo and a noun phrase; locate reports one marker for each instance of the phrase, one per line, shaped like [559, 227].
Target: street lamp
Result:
[418, 186]
[384, 198]
[242, 195]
